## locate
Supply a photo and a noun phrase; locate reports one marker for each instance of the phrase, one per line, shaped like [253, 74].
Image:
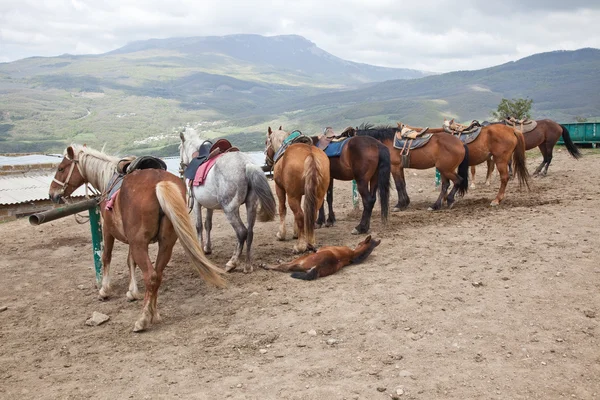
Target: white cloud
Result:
[436, 35]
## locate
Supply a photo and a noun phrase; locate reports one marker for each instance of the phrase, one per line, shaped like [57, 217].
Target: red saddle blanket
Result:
[204, 169]
[111, 202]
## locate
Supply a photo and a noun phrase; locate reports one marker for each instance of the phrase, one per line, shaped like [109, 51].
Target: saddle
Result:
[466, 133]
[126, 166]
[294, 137]
[409, 139]
[524, 125]
[328, 137]
[207, 152]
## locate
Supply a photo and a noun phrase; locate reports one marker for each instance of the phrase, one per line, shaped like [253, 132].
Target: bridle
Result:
[65, 184]
[269, 145]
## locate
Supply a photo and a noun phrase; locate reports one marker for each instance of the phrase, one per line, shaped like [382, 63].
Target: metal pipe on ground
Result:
[56, 213]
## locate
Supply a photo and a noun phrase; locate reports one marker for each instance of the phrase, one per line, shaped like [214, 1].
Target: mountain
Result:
[134, 98]
[289, 52]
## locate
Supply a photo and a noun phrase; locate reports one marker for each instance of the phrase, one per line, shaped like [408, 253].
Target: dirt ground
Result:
[469, 303]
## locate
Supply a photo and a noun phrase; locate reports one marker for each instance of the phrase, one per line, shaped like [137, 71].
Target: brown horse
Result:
[501, 142]
[444, 152]
[303, 170]
[149, 207]
[367, 161]
[544, 136]
[327, 260]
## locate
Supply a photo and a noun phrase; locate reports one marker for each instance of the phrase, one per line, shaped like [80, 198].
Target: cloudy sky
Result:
[434, 35]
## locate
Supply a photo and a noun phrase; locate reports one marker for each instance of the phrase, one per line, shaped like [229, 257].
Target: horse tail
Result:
[463, 173]
[312, 180]
[173, 205]
[383, 180]
[573, 150]
[309, 275]
[258, 182]
[519, 165]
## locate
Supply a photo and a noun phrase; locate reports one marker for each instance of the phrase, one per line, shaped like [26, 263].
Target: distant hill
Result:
[563, 85]
[133, 99]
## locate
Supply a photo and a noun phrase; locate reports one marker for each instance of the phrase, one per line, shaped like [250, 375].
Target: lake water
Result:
[173, 162]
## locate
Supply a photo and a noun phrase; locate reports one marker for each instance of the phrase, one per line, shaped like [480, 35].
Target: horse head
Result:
[68, 176]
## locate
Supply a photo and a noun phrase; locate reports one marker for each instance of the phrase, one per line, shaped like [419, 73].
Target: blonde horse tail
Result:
[312, 180]
[174, 207]
[519, 165]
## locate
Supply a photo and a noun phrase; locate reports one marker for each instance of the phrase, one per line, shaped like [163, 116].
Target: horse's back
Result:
[289, 170]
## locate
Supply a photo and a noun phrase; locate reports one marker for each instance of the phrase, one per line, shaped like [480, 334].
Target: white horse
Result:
[233, 180]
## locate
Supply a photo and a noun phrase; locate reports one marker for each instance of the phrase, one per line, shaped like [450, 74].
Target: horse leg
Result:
[398, 175]
[166, 242]
[444, 189]
[539, 167]
[331, 217]
[109, 241]
[509, 164]
[139, 252]
[198, 213]
[233, 216]
[472, 177]
[547, 158]
[490, 169]
[368, 200]
[208, 227]
[321, 217]
[296, 207]
[251, 208]
[502, 166]
[133, 292]
[456, 182]
[282, 211]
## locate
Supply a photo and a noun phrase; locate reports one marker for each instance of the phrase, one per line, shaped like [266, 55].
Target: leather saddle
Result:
[207, 151]
[524, 125]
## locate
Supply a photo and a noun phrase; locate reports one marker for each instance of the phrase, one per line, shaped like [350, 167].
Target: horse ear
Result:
[269, 131]
[70, 153]
[399, 124]
[280, 127]
[368, 239]
[181, 135]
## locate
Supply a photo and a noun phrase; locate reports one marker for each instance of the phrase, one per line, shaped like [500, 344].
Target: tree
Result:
[516, 108]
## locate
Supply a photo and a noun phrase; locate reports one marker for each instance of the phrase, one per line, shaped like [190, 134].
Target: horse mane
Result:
[192, 141]
[380, 132]
[98, 167]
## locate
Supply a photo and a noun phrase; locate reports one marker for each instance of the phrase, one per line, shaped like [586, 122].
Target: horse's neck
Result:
[277, 140]
[97, 172]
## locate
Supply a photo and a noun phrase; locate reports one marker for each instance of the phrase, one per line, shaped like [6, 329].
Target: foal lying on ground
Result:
[327, 260]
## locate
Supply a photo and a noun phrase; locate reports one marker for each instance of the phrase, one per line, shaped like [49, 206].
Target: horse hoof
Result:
[396, 209]
[472, 186]
[248, 269]
[103, 295]
[430, 209]
[229, 266]
[318, 226]
[280, 237]
[141, 325]
[450, 205]
[156, 319]
[355, 232]
[494, 203]
[132, 296]
[207, 251]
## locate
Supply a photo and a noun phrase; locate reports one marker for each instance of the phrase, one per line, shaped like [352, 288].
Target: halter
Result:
[65, 184]
[75, 162]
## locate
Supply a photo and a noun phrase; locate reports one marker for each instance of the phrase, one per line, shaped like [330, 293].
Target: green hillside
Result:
[134, 99]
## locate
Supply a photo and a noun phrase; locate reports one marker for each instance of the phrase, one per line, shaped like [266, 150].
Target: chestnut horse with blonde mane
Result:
[150, 207]
[303, 170]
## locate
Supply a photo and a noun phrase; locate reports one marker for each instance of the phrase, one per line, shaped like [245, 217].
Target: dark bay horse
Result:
[501, 142]
[443, 151]
[150, 207]
[367, 161]
[303, 170]
[544, 136]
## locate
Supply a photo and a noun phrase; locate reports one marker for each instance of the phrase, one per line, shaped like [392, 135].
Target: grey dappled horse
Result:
[233, 180]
